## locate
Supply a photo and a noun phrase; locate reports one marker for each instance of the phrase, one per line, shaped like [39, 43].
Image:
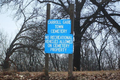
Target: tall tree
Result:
[16, 44]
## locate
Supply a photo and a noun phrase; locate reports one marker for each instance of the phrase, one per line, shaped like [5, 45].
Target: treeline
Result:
[97, 52]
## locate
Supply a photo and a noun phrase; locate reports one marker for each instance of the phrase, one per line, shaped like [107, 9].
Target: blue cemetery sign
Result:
[59, 26]
[59, 39]
[55, 43]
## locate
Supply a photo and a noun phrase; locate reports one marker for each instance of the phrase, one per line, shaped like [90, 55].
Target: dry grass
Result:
[77, 75]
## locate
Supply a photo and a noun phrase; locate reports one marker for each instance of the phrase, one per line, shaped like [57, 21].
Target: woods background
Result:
[96, 35]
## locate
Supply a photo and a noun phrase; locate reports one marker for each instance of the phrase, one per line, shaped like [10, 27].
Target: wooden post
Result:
[47, 55]
[70, 66]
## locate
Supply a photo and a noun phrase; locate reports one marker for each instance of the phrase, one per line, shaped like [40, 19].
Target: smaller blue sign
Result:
[58, 26]
[59, 43]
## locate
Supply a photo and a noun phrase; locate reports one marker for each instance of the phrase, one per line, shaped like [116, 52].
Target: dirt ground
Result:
[78, 75]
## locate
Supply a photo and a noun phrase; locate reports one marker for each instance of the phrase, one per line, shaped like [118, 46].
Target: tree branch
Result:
[101, 8]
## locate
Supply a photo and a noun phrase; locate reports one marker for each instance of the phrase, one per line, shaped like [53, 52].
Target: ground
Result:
[78, 75]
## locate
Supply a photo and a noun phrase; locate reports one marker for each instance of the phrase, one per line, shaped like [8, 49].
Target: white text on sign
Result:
[59, 22]
[59, 26]
[59, 43]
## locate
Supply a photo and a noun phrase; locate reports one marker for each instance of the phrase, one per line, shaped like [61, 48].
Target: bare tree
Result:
[15, 45]
[3, 46]
[34, 55]
[83, 20]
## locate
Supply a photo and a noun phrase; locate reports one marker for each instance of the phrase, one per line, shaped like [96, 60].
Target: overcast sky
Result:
[8, 26]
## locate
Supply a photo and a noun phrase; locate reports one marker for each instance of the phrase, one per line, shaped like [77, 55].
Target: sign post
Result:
[47, 55]
[59, 38]
[70, 65]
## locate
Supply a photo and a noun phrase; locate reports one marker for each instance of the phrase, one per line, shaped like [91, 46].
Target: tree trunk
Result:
[119, 63]
[99, 65]
[77, 44]
[6, 64]
[77, 57]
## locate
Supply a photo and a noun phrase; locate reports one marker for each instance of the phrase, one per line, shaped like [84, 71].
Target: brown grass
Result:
[77, 75]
